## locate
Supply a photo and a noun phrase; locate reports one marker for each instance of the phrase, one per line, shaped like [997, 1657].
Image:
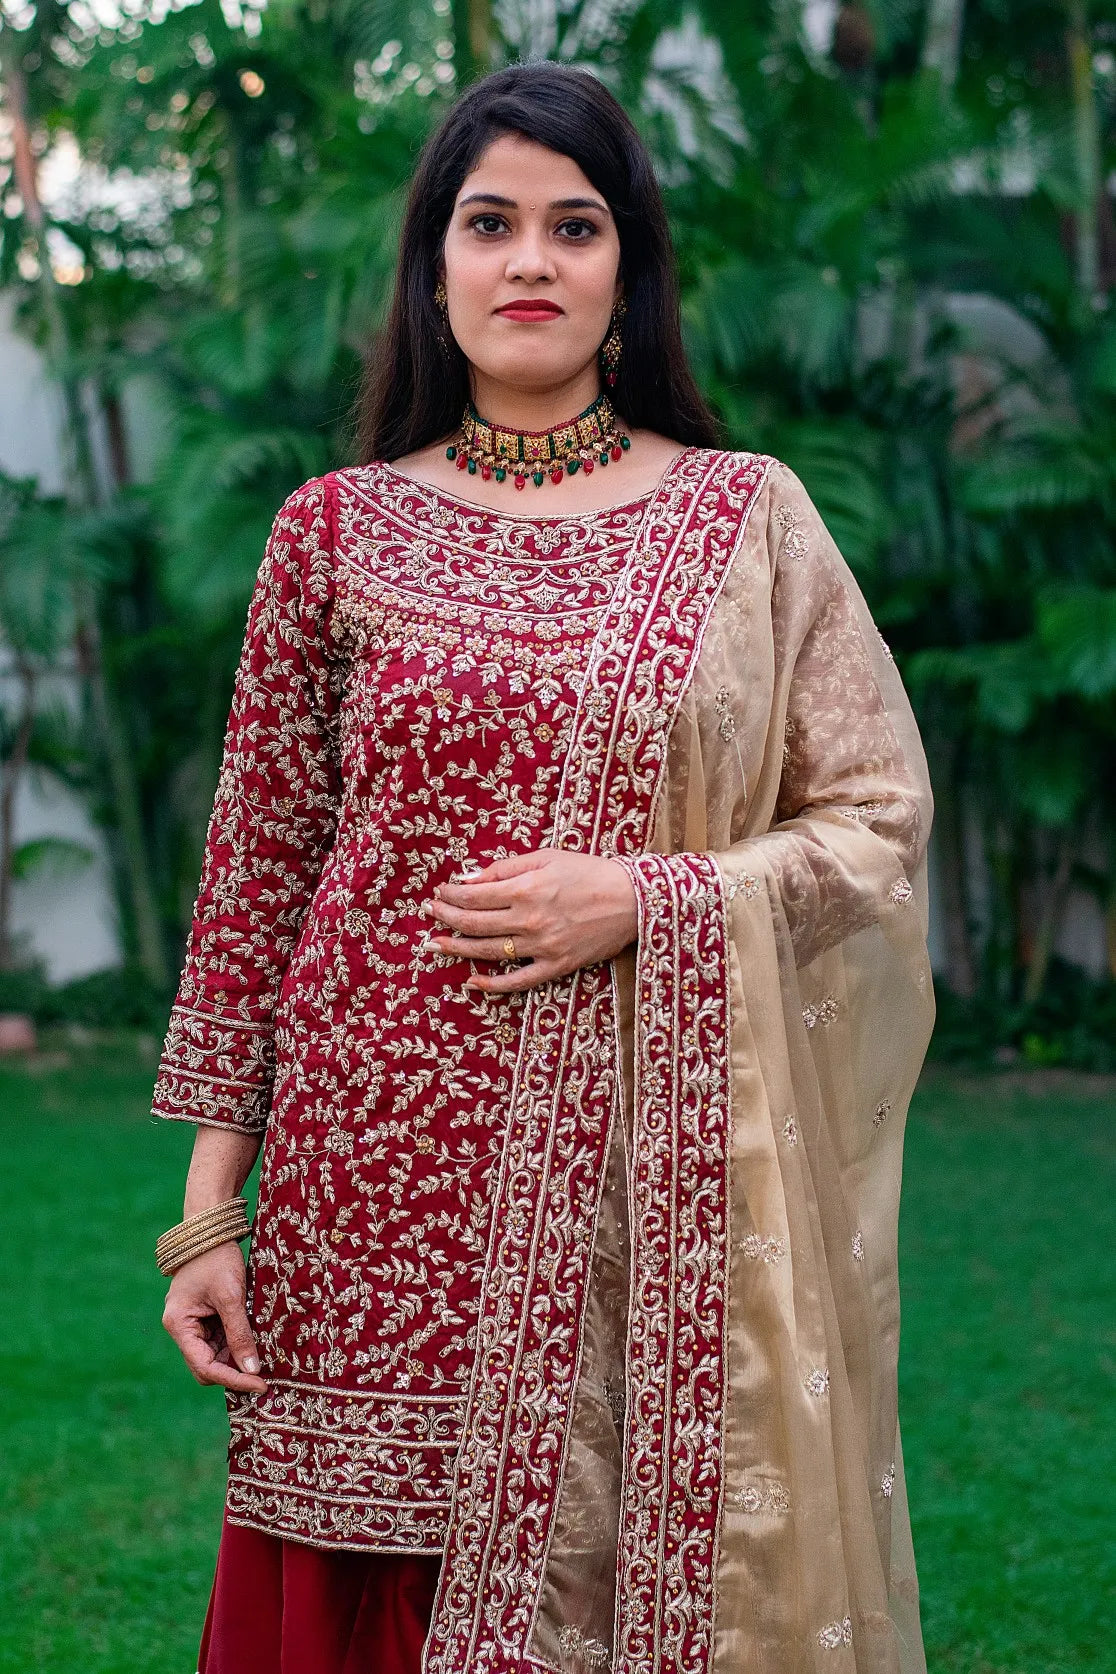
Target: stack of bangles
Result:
[225, 1223]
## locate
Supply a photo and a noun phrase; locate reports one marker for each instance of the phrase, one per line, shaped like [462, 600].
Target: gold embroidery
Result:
[834, 1634]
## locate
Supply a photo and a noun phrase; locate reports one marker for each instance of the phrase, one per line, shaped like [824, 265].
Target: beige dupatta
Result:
[682, 1448]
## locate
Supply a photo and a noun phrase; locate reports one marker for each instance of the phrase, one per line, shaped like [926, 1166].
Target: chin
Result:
[531, 368]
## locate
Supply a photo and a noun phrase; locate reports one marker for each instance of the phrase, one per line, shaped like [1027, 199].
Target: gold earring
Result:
[440, 299]
[613, 347]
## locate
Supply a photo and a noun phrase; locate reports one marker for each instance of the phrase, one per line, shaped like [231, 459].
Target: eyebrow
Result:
[510, 203]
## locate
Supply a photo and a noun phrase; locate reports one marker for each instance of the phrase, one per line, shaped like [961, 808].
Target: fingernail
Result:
[251, 1365]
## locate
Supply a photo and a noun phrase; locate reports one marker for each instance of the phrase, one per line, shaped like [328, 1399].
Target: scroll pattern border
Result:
[565, 1092]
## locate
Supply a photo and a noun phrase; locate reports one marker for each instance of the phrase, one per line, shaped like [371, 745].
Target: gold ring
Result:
[509, 947]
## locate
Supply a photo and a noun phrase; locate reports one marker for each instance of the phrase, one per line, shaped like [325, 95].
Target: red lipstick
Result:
[530, 309]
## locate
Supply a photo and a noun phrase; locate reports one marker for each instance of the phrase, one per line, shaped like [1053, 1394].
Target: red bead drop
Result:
[557, 474]
[521, 482]
[461, 462]
[486, 472]
[617, 452]
[587, 467]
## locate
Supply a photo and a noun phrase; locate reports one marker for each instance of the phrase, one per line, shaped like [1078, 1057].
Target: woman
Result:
[562, 935]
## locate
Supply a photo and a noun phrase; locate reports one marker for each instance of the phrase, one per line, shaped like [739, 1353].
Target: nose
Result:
[529, 258]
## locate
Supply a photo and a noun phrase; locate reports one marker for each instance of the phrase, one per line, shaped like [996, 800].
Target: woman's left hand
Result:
[557, 909]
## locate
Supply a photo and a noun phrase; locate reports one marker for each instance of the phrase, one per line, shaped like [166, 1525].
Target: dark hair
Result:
[415, 386]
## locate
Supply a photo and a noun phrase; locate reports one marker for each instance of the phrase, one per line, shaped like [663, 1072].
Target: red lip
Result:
[530, 309]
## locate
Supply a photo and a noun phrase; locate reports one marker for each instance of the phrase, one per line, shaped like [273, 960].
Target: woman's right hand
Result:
[206, 1315]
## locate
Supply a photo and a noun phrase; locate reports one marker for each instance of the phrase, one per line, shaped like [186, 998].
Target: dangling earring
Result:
[613, 347]
[441, 303]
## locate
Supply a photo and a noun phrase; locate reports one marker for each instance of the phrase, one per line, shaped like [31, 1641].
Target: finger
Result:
[508, 866]
[239, 1337]
[482, 896]
[532, 975]
[476, 947]
[204, 1360]
[495, 922]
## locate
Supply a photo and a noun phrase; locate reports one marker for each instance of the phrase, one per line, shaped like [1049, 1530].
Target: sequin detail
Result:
[901, 892]
[794, 542]
[763, 1249]
[835, 1634]
[742, 884]
[883, 1111]
[727, 724]
[590, 1652]
[790, 1131]
[824, 1012]
[817, 1381]
[888, 1482]
[858, 1245]
[756, 1497]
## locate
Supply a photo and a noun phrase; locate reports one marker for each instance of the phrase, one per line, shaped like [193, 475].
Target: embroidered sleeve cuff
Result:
[216, 1070]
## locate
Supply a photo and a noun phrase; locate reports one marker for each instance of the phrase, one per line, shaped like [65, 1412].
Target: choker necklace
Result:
[592, 438]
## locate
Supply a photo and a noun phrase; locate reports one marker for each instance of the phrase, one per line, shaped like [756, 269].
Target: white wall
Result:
[64, 919]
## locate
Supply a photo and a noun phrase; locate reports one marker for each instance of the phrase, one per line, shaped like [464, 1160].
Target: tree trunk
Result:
[1050, 920]
[114, 745]
[941, 45]
[11, 773]
[1086, 145]
[960, 964]
[473, 36]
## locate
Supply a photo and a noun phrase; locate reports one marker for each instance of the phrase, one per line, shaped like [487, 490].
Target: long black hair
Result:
[415, 383]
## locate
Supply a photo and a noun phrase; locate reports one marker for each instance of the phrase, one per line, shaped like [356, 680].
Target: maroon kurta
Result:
[403, 709]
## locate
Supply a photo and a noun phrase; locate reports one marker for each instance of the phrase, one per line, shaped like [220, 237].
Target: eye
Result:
[488, 225]
[578, 231]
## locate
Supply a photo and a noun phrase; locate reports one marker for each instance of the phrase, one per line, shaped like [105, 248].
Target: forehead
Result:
[522, 169]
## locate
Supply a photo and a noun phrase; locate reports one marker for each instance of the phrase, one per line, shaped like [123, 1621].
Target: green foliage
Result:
[898, 285]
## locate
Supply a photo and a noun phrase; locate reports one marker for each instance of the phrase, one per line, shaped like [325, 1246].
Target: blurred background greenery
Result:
[897, 243]
[896, 235]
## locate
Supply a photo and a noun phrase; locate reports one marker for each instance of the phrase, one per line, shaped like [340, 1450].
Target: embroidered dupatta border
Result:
[677, 1351]
[564, 1099]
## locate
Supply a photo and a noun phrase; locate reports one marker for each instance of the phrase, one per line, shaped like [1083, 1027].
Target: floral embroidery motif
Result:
[591, 1654]
[761, 1496]
[858, 1245]
[888, 1482]
[727, 724]
[817, 1381]
[795, 543]
[742, 884]
[901, 891]
[824, 1012]
[763, 1249]
[883, 1111]
[405, 703]
[834, 1634]
[790, 1131]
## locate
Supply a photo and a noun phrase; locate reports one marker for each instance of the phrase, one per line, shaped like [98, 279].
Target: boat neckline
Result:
[459, 503]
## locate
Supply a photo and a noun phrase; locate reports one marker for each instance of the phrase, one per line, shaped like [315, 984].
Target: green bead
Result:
[625, 442]
[604, 458]
[537, 478]
[451, 453]
[472, 467]
[573, 466]
[501, 474]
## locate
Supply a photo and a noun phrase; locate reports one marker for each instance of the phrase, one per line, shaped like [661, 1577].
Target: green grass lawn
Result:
[113, 1458]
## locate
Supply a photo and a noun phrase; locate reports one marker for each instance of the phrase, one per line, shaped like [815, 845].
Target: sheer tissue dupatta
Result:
[681, 1450]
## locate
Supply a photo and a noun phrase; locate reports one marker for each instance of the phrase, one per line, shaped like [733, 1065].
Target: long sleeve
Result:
[272, 825]
[837, 808]
[853, 804]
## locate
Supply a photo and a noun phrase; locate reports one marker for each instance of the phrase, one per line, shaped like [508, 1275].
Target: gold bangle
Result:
[225, 1223]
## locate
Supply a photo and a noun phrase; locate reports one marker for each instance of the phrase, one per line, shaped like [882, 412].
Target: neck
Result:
[513, 408]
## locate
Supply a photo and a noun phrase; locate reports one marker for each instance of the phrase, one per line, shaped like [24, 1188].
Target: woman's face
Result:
[528, 228]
